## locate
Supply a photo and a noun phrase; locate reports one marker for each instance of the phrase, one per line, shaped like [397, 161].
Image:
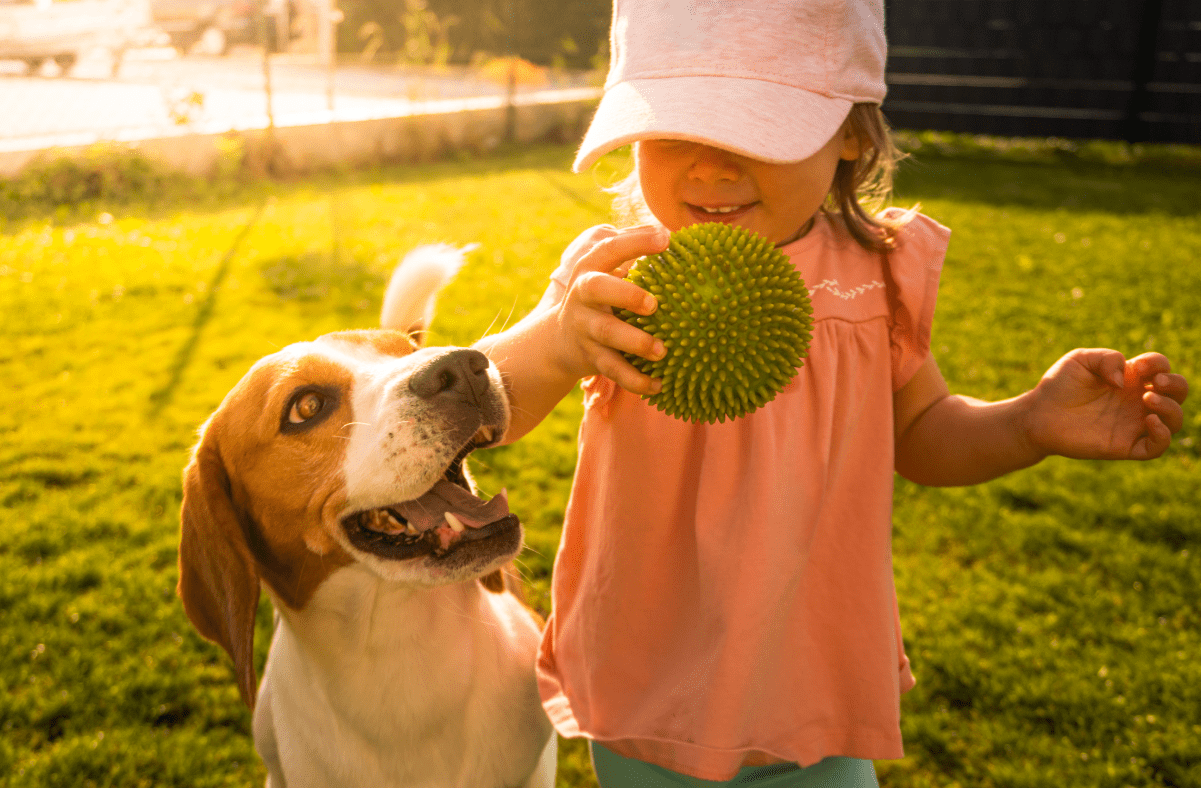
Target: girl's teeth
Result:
[729, 209]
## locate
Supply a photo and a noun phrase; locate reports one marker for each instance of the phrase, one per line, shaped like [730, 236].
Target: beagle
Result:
[332, 477]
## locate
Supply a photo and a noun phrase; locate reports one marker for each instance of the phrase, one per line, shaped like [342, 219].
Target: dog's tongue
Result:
[429, 511]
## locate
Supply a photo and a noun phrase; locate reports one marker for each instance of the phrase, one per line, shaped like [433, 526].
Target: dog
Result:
[333, 477]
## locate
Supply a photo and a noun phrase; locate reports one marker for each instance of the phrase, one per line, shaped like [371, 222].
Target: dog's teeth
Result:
[455, 523]
[410, 530]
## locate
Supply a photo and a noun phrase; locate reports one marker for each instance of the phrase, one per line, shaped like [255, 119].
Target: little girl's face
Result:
[686, 183]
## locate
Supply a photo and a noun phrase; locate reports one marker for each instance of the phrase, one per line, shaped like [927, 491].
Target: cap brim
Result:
[767, 121]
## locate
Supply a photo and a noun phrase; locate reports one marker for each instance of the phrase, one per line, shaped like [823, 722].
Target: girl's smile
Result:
[720, 213]
[685, 183]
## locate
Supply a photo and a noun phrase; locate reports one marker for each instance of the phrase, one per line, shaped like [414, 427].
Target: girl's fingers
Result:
[611, 252]
[1170, 385]
[1108, 365]
[612, 332]
[1148, 365]
[1170, 414]
[584, 241]
[613, 366]
[1154, 443]
[605, 290]
[596, 289]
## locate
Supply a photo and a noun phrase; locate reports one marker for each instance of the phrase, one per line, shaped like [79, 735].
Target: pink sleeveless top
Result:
[728, 588]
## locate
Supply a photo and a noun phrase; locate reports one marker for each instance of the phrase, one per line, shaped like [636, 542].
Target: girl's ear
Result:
[853, 145]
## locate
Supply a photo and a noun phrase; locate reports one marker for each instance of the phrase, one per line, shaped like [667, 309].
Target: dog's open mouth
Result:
[442, 520]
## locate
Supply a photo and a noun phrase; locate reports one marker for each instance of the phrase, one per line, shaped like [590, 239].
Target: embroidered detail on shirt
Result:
[832, 287]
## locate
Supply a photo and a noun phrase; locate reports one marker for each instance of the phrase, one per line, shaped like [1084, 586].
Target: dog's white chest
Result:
[383, 685]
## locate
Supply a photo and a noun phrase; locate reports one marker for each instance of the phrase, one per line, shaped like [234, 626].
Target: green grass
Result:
[1052, 616]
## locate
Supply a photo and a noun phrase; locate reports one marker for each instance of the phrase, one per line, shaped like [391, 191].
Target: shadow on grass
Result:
[1074, 186]
[183, 357]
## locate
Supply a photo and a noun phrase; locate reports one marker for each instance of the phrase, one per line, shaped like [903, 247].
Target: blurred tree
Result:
[562, 33]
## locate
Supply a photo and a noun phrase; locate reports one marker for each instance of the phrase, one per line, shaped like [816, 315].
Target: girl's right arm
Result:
[573, 333]
[1091, 404]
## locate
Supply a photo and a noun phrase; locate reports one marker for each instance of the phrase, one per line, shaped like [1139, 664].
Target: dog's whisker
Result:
[535, 551]
[503, 325]
[518, 409]
[488, 330]
[348, 425]
[508, 317]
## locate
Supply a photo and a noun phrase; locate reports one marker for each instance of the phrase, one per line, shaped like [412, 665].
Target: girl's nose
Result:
[712, 165]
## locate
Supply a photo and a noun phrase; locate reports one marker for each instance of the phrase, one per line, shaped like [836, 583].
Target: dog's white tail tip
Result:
[413, 288]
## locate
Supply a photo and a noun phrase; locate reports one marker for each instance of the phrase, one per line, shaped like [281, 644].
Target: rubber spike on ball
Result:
[737, 291]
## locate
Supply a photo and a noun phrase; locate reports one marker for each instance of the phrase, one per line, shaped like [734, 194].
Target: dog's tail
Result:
[409, 299]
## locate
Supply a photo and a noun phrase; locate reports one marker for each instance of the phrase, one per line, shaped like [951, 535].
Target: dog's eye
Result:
[306, 407]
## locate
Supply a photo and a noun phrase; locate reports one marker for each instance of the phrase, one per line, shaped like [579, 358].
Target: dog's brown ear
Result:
[218, 582]
[494, 581]
[506, 578]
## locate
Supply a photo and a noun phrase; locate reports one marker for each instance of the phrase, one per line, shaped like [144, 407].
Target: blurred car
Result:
[39, 30]
[211, 27]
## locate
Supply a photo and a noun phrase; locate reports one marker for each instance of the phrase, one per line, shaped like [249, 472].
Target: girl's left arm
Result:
[1091, 404]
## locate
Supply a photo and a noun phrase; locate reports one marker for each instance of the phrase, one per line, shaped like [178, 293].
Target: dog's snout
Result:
[460, 372]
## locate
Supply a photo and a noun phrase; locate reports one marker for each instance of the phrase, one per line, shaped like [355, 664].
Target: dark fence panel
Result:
[1103, 69]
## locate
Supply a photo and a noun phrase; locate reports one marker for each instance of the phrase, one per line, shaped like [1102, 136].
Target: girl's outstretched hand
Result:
[1094, 404]
[591, 337]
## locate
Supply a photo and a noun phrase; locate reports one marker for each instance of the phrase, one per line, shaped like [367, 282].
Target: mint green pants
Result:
[615, 771]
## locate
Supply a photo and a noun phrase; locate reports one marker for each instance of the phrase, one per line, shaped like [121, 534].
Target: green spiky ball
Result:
[734, 316]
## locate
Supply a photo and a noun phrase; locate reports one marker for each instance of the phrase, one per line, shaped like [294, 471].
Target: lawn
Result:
[1053, 617]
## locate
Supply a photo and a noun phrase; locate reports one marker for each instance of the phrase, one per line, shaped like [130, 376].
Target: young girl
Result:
[723, 600]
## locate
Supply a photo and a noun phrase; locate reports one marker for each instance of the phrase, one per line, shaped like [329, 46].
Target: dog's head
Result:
[346, 449]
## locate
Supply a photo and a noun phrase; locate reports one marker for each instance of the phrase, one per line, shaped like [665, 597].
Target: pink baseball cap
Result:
[768, 79]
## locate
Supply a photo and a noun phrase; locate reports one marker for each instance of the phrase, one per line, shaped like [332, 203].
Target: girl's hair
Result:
[629, 207]
[867, 179]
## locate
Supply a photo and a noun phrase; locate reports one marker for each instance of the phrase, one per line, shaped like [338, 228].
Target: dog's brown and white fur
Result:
[332, 476]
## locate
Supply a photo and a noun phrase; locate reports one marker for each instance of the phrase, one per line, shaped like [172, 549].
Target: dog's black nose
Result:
[462, 372]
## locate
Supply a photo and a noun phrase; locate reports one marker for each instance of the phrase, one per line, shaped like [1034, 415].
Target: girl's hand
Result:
[1094, 404]
[591, 337]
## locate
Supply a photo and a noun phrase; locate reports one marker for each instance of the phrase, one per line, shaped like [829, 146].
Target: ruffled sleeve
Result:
[598, 392]
[915, 266]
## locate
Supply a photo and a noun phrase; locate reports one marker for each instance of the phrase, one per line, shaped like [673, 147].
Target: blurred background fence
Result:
[1105, 69]
[74, 72]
